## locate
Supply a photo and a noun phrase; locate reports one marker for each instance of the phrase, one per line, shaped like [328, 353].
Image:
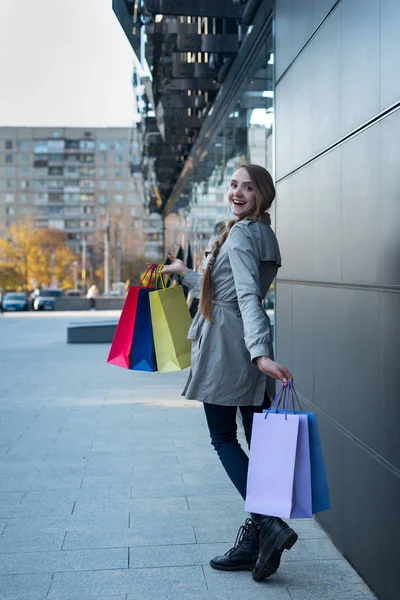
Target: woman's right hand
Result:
[177, 267]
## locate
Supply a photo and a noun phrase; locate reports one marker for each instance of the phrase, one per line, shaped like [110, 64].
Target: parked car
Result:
[47, 299]
[13, 301]
[73, 293]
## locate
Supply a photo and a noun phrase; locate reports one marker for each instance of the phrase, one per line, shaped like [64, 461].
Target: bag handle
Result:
[286, 394]
[151, 270]
[160, 275]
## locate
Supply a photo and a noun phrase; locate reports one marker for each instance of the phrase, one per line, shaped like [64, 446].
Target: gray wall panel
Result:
[284, 323]
[360, 206]
[360, 368]
[360, 62]
[284, 227]
[301, 241]
[303, 117]
[390, 51]
[283, 118]
[328, 351]
[388, 400]
[303, 342]
[388, 214]
[370, 520]
[326, 85]
[327, 252]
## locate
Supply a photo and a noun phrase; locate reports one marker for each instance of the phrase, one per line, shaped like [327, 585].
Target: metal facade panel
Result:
[205, 8]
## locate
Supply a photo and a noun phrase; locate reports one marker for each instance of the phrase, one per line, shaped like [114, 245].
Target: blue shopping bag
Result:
[143, 357]
[319, 483]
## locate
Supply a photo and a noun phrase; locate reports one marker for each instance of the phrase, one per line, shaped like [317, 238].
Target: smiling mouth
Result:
[238, 203]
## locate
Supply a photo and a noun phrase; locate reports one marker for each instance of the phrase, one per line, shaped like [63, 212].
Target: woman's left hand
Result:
[274, 369]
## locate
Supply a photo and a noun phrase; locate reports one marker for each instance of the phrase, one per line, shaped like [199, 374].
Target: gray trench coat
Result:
[224, 349]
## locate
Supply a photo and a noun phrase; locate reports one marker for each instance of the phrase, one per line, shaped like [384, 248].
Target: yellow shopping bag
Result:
[171, 320]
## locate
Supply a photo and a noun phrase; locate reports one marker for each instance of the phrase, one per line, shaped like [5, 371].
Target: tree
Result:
[30, 257]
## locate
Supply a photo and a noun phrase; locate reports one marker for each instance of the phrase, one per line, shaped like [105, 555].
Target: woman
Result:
[232, 355]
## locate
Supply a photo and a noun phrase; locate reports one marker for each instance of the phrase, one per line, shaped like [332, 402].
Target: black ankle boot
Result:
[275, 537]
[243, 555]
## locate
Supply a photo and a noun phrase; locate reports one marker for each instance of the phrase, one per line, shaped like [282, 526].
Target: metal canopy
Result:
[201, 8]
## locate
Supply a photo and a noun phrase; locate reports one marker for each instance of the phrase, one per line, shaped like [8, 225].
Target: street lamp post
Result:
[107, 255]
[75, 265]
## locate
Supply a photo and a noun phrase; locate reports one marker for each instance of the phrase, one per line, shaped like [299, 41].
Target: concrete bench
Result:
[91, 332]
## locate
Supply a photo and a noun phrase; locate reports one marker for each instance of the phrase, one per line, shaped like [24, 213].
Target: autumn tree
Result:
[33, 257]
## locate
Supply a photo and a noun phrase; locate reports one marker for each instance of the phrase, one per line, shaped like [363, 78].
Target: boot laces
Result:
[247, 531]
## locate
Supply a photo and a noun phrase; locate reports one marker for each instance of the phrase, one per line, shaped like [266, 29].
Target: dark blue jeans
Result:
[222, 424]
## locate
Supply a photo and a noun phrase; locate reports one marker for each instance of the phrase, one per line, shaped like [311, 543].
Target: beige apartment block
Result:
[75, 180]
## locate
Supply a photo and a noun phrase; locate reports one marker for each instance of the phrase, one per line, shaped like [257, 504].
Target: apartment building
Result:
[74, 180]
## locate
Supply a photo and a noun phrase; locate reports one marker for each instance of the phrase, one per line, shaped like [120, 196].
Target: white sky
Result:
[64, 63]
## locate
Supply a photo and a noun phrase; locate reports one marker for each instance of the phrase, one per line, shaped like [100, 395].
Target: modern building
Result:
[83, 182]
[311, 90]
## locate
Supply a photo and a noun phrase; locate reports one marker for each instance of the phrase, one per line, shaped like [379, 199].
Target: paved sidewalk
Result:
[110, 489]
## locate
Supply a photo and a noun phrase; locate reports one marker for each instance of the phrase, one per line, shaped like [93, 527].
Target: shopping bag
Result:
[170, 320]
[319, 483]
[143, 356]
[120, 351]
[279, 475]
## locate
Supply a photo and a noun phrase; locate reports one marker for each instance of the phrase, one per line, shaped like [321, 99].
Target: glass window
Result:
[9, 198]
[23, 145]
[86, 145]
[56, 170]
[10, 171]
[118, 158]
[41, 198]
[40, 147]
[24, 198]
[103, 158]
[39, 184]
[101, 172]
[9, 210]
[118, 172]
[9, 145]
[9, 184]
[87, 198]
[24, 171]
[56, 146]
[119, 185]
[9, 158]
[103, 199]
[25, 158]
[102, 185]
[102, 146]
[119, 198]
[24, 184]
[56, 210]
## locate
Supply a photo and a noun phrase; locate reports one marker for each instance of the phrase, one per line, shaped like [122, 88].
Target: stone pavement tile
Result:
[157, 530]
[44, 507]
[16, 484]
[26, 542]
[33, 497]
[142, 508]
[44, 482]
[3, 523]
[156, 489]
[24, 587]
[241, 582]
[307, 528]
[8, 502]
[251, 593]
[304, 574]
[93, 522]
[312, 549]
[137, 582]
[142, 534]
[159, 461]
[170, 556]
[106, 481]
[214, 532]
[231, 501]
[70, 560]
[342, 591]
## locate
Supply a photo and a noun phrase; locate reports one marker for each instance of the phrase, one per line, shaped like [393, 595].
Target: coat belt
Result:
[231, 305]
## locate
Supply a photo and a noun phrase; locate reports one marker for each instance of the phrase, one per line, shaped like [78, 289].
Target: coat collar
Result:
[266, 218]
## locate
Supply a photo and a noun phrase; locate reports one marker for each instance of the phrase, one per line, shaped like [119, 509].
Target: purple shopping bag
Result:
[279, 476]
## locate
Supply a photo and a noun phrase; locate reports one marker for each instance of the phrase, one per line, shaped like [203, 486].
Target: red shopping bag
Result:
[121, 346]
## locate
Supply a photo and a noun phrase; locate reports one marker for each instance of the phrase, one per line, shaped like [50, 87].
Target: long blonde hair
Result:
[265, 193]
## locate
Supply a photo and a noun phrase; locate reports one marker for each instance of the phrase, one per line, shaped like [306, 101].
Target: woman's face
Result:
[241, 193]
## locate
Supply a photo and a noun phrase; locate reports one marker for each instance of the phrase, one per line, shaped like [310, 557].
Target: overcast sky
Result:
[65, 63]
